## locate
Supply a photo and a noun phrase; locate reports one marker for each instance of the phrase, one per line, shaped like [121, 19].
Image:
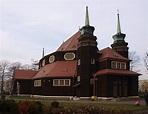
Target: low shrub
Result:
[87, 110]
[55, 104]
[30, 107]
[8, 106]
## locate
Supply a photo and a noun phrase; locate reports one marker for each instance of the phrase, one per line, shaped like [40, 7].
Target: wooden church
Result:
[79, 68]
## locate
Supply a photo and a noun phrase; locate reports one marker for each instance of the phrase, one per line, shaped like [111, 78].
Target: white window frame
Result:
[92, 61]
[78, 78]
[59, 82]
[43, 62]
[51, 59]
[79, 61]
[37, 83]
[67, 56]
[118, 65]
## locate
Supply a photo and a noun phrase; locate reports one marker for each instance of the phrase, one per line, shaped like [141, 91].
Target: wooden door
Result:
[120, 86]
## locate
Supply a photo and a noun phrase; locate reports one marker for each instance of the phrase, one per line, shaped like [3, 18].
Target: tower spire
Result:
[119, 36]
[43, 53]
[87, 29]
[119, 44]
[118, 23]
[86, 17]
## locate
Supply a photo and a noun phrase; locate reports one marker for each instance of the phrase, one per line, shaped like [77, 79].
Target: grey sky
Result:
[26, 26]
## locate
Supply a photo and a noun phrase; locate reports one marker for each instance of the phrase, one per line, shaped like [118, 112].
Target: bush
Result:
[55, 104]
[8, 106]
[30, 107]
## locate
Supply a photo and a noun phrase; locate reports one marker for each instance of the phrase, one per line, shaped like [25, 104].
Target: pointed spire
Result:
[118, 23]
[87, 29]
[43, 53]
[86, 17]
[118, 37]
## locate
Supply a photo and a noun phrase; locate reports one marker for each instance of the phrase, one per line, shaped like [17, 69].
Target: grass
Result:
[125, 107]
[74, 105]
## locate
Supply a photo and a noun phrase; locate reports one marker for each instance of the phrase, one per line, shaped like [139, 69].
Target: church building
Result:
[79, 68]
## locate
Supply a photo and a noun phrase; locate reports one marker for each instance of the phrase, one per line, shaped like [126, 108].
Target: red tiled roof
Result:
[70, 44]
[110, 53]
[24, 74]
[57, 69]
[117, 72]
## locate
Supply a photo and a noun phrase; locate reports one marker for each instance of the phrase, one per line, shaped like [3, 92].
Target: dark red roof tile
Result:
[57, 69]
[70, 44]
[108, 53]
[24, 74]
[117, 72]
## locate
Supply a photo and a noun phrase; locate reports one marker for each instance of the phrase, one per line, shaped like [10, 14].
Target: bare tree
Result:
[34, 64]
[4, 65]
[135, 61]
[7, 71]
[144, 86]
[146, 61]
[12, 67]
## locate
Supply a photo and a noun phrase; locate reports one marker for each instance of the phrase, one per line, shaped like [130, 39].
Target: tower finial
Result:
[86, 17]
[43, 53]
[118, 23]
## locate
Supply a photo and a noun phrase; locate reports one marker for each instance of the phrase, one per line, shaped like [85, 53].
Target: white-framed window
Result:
[123, 66]
[78, 78]
[78, 61]
[92, 61]
[61, 82]
[118, 65]
[37, 83]
[69, 56]
[51, 58]
[43, 62]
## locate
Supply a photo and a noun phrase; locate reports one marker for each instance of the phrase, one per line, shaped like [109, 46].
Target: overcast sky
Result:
[26, 26]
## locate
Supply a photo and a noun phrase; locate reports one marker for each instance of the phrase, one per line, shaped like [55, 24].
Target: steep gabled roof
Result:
[24, 74]
[57, 69]
[116, 72]
[71, 43]
[108, 53]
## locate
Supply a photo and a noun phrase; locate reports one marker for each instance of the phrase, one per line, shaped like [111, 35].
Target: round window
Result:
[51, 58]
[69, 56]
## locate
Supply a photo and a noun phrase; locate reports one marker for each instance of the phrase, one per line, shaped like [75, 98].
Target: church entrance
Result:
[120, 86]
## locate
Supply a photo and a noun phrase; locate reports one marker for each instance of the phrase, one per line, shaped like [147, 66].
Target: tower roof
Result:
[118, 37]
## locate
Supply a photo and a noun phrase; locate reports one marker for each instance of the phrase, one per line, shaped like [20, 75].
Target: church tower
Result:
[87, 55]
[119, 44]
